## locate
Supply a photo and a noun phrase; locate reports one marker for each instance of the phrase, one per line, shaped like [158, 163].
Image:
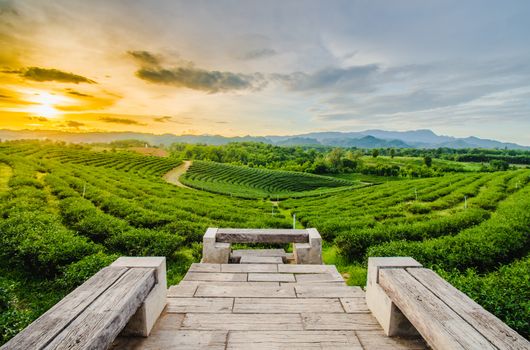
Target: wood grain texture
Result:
[206, 290]
[176, 339]
[339, 321]
[354, 305]
[377, 340]
[261, 236]
[271, 277]
[277, 306]
[231, 322]
[312, 291]
[215, 276]
[440, 326]
[204, 267]
[42, 331]
[293, 340]
[102, 321]
[261, 260]
[233, 268]
[207, 305]
[239, 253]
[484, 322]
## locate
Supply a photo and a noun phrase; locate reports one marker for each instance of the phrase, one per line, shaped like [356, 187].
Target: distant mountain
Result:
[363, 139]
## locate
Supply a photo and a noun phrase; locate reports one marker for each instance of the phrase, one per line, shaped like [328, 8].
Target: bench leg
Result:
[212, 251]
[143, 321]
[309, 253]
[392, 320]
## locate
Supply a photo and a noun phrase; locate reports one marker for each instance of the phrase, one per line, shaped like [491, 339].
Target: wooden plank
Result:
[317, 277]
[46, 327]
[239, 253]
[233, 284]
[179, 339]
[354, 305]
[244, 292]
[311, 291]
[261, 260]
[319, 284]
[496, 331]
[339, 321]
[231, 322]
[181, 290]
[248, 268]
[261, 236]
[203, 267]
[209, 305]
[215, 276]
[102, 321]
[271, 277]
[377, 340]
[440, 326]
[294, 268]
[288, 306]
[293, 340]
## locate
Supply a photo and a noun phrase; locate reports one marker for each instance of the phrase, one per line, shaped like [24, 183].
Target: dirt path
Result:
[173, 175]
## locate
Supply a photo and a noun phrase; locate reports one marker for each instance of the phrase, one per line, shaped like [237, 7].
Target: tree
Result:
[375, 153]
[428, 161]
[392, 153]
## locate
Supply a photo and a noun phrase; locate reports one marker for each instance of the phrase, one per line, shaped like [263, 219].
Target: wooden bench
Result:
[405, 298]
[122, 297]
[217, 243]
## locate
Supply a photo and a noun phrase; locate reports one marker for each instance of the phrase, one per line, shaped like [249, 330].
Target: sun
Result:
[43, 104]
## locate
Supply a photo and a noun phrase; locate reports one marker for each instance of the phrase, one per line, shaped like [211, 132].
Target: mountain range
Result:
[363, 139]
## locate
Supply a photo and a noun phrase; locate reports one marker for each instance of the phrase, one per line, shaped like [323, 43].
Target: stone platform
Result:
[265, 306]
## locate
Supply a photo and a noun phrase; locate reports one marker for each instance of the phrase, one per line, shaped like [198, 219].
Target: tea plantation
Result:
[248, 182]
[66, 211]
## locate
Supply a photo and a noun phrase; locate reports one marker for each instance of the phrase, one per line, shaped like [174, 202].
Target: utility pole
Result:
[465, 201]
[84, 189]
[294, 221]
[416, 193]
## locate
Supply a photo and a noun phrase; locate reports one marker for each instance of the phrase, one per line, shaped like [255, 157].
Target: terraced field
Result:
[247, 182]
[66, 211]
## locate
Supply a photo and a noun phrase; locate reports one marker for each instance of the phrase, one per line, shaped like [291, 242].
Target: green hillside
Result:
[66, 211]
[248, 182]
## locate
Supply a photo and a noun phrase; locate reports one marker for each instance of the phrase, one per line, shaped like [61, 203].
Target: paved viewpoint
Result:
[265, 306]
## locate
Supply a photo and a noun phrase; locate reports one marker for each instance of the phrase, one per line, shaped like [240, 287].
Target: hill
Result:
[362, 139]
[242, 181]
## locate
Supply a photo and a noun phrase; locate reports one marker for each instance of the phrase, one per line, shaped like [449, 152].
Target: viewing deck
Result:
[265, 306]
[266, 299]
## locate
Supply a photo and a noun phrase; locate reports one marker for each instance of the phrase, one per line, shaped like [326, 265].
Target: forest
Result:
[68, 210]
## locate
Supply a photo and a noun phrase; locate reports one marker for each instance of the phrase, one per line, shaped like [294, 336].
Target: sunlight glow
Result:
[45, 104]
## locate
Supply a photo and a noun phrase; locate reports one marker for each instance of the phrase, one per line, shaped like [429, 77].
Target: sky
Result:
[459, 68]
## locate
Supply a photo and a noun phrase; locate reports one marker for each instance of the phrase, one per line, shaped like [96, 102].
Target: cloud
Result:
[45, 74]
[124, 121]
[257, 53]
[145, 57]
[164, 119]
[354, 78]
[201, 79]
[79, 94]
[74, 124]
[38, 119]
[186, 75]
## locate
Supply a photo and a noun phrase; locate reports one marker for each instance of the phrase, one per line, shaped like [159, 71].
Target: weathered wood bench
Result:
[127, 296]
[407, 298]
[217, 243]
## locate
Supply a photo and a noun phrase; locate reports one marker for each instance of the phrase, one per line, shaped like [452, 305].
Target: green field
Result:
[66, 211]
[248, 182]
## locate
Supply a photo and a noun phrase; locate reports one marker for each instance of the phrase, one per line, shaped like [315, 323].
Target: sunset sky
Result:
[459, 68]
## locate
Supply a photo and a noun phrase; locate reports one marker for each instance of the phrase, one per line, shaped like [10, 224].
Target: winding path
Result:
[173, 175]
